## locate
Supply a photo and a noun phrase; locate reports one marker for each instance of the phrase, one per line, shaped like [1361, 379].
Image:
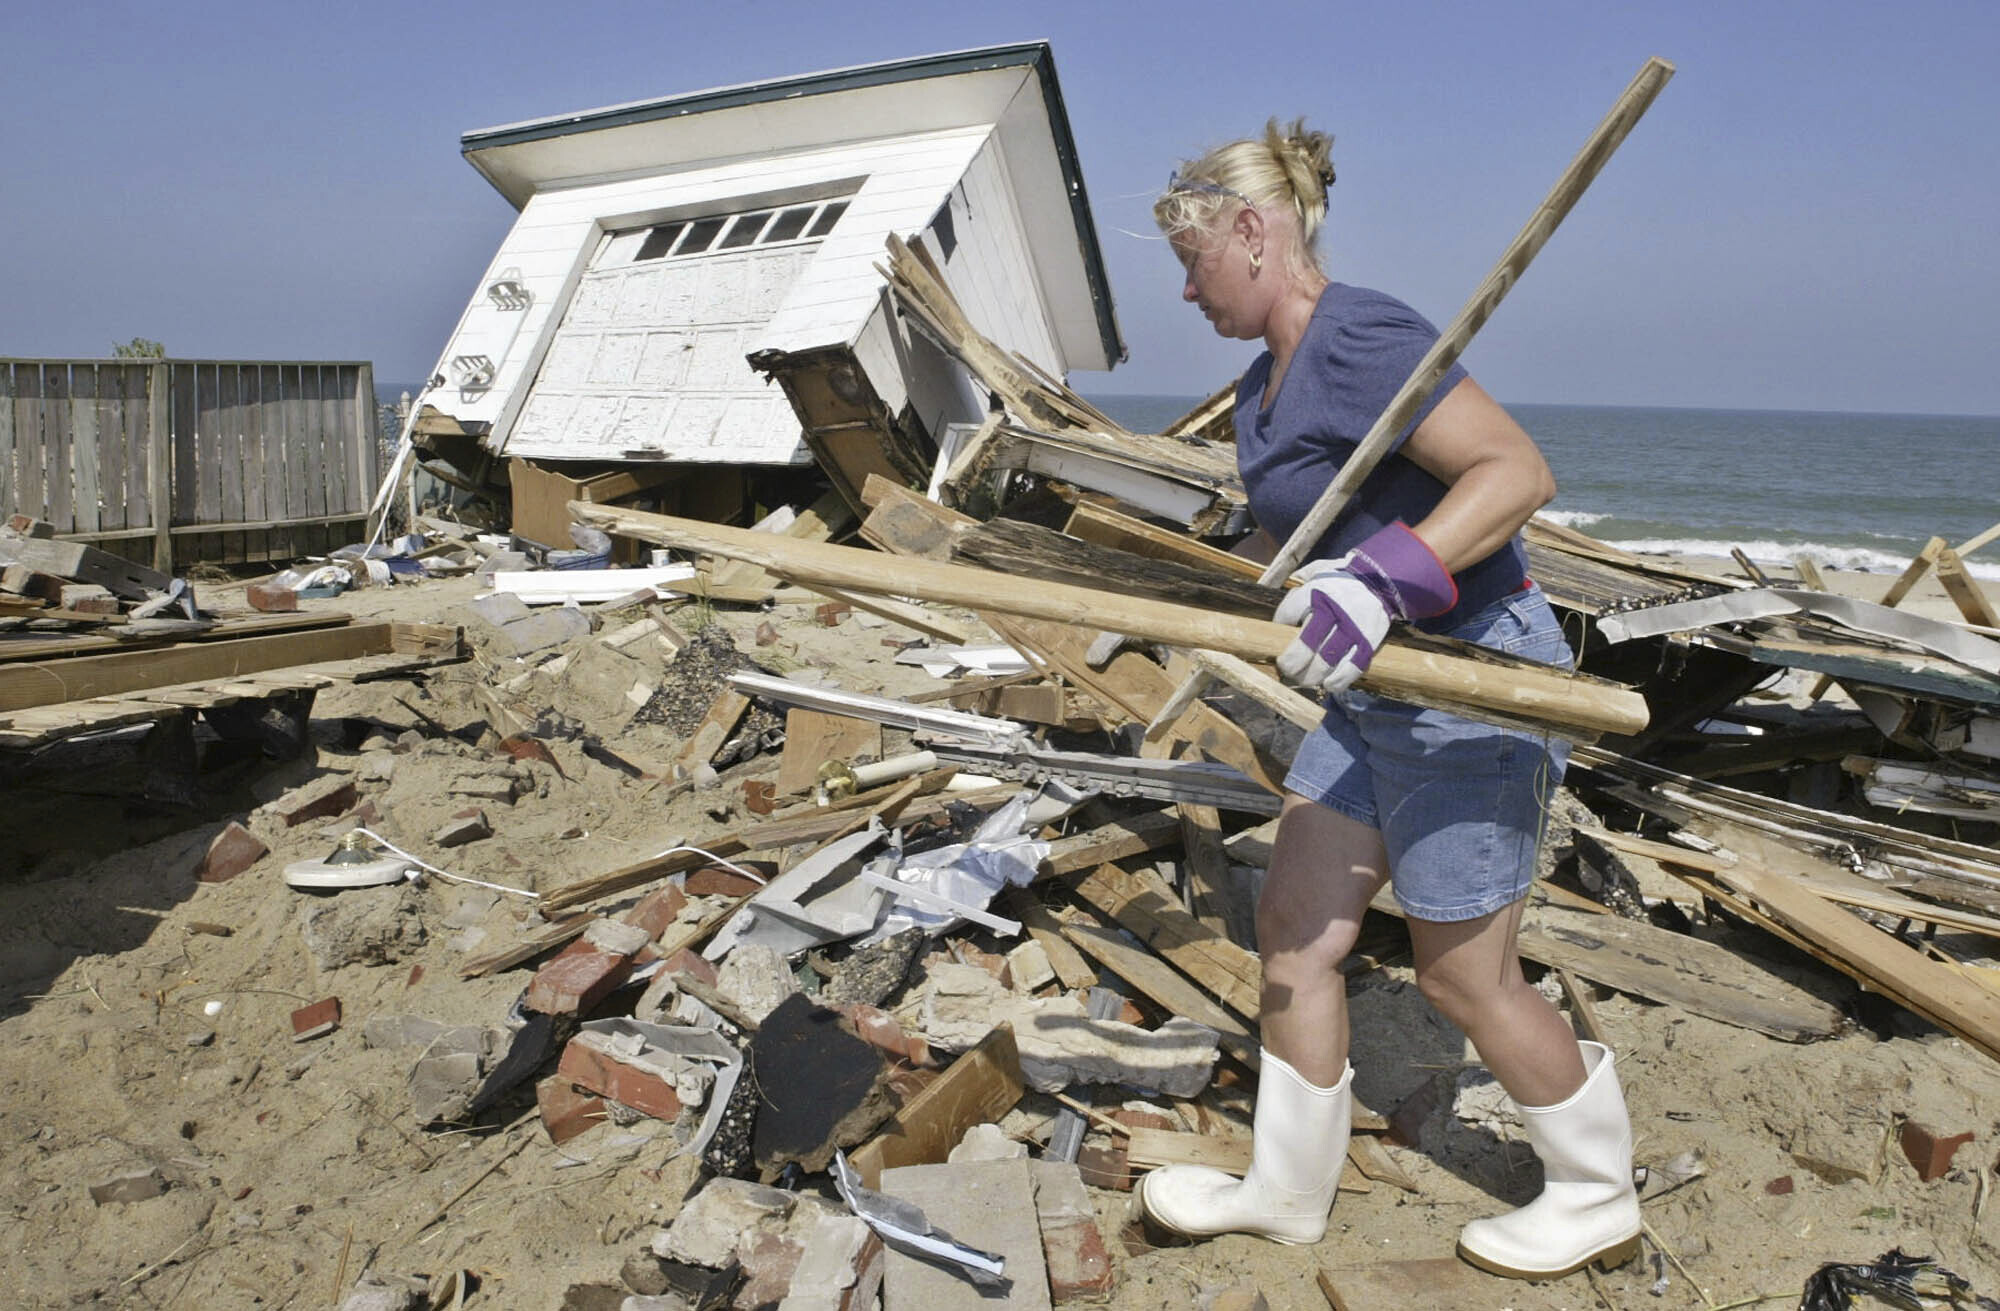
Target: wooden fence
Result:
[190, 460]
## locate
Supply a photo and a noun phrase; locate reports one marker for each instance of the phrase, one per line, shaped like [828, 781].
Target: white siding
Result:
[557, 232]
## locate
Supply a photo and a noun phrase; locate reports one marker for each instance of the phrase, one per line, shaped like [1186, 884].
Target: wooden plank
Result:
[1470, 682]
[1144, 905]
[228, 445]
[367, 457]
[186, 447]
[336, 428]
[1093, 522]
[711, 732]
[1153, 978]
[31, 493]
[978, 1088]
[1134, 835]
[115, 448]
[1433, 1282]
[1150, 1149]
[81, 677]
[159, 464]
[272, 440]
[56, 439]
[1072, 970]
[813, 737]
[1205, 867]
[1964, 591]
[250, 422]
[208, 444]
[8, 474]
[86, 513]
[311, 441]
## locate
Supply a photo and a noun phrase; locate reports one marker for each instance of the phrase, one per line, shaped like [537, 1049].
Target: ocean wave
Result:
[1571, 518]
[1853, 559]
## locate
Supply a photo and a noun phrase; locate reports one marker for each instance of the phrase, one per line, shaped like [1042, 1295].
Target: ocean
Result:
[1851, 491]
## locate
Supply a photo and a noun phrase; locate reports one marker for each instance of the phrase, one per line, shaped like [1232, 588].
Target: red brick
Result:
[985, 960]
[1078, 1264]
[321, 799]
[566, 1109]
[234, 850]
[271, 598]
[760, 796]
[1105, 1167]
[576, 980]
[1930, 1151]
[716, 881]
[691, 963]
[879, 1029]
[322, 1017]
[1780, 1186]
[88, 599]
[1132, 1119]
[627, 1084]
[830, 613]
[657, 910]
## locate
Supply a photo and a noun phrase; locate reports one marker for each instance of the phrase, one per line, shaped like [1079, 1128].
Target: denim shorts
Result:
[1460, 805]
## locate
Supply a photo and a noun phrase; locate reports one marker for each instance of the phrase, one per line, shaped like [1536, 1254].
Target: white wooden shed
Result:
[662, 244]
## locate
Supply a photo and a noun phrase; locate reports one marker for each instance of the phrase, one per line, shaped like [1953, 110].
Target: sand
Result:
[138, 1040]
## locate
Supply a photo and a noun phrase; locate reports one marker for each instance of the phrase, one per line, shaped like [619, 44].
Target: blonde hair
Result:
[1286, 172]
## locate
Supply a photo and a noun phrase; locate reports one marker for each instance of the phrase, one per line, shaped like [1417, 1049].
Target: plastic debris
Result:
[903, 1227]
[1916, 1283]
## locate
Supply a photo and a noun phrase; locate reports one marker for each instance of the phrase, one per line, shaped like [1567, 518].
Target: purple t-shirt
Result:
[1358, 350]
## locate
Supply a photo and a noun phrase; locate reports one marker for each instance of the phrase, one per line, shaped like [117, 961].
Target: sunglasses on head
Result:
[1202, 187]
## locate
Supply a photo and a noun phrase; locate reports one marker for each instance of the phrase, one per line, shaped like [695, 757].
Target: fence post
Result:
[159, 465]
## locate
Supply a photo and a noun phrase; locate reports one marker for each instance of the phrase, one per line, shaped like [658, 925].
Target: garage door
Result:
[648, 362]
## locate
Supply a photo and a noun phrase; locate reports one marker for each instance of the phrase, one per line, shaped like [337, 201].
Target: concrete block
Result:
[500, 609]
[986, 1142]
[464, 829]
[988, 1204]
[271, 598]
[234, 850]
[442, 1085]
[497, 788]
[756, 980]
[768, 1262]
[88, 599]
[323, 798]
[840, 1268]
[576, 980]
[714, 1221]
[547, 628]
[599, 1071]
[1060, 1043]
[363, 926]
[131, 1186]
[1028, 968]
[616, 937]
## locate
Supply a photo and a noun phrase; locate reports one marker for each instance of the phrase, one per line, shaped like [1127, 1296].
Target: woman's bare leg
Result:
[1324, 870]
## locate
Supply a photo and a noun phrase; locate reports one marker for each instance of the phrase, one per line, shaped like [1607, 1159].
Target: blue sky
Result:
[1804, 220]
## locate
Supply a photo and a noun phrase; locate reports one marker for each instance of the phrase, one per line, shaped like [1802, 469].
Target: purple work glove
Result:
[1343, 607]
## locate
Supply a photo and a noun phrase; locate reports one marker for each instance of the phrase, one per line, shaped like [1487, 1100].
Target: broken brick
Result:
[234, 850]
[717, 881]
[1780, 1186]
[88, 599]
[760, 796]
[271, 598]
[321, 799]
[879, 1029]
[576, 980]
[316, 1020]
[567, 1110]
[1132, 1118]
[694, 965]
[656, 911]
[768, 1262]
[1929, 1151]
[467, 826]
[1105, 1166]
[830, 613]
[628, 1085]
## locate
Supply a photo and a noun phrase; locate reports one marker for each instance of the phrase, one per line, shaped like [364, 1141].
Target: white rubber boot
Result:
[1588, 1210]
[1297, 1149]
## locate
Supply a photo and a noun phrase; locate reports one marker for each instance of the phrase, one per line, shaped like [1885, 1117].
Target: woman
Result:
[1448, 811]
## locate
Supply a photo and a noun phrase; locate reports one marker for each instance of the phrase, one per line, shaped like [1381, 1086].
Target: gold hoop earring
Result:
[1256, 261]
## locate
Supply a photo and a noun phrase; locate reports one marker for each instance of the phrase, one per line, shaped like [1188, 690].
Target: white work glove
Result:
[1343, 607]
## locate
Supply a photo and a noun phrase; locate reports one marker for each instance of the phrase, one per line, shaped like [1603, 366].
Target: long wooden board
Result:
[81, 678]
[1561, 701]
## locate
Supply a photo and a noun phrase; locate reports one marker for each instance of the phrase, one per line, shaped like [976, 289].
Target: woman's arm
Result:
[1496, 475]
